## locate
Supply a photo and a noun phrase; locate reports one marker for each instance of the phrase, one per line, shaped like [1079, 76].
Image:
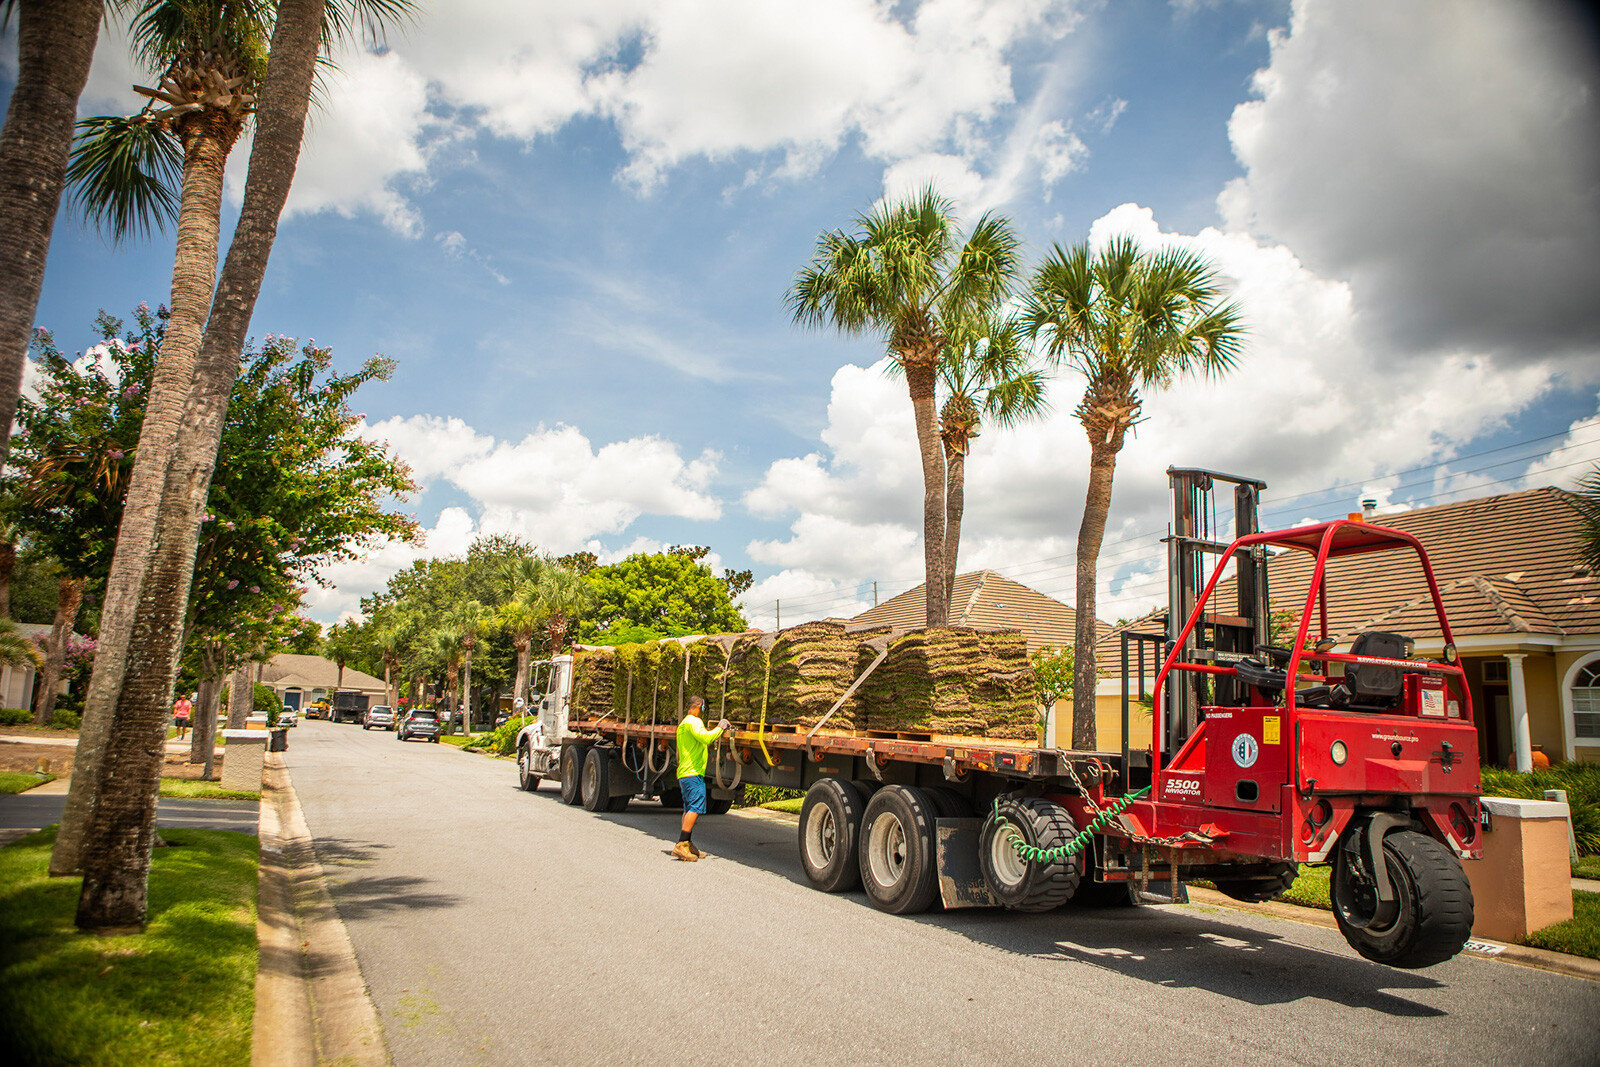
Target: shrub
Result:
[502, 740]
[756, 795]
[1580, 780]
[62, 719]
[15, 716]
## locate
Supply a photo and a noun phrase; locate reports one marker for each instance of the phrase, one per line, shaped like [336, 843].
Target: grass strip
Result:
[1579, 935]
[190, 789]
[1310, 889]
[22, 781]
[457, 740]
[181, 992]
[792, 806]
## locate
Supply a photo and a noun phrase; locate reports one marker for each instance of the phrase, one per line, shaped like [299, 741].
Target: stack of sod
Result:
[808, 668]
[633, 681]
[951, 681]
[592, 673]
[708, 659]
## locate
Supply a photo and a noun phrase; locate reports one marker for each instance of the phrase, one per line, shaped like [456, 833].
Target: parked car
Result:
[421, 723]
[287, 717]
[317, 709]
[379, 715]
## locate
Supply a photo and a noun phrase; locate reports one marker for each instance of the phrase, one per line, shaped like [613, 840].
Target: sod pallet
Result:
[593, 671]
[939, 681]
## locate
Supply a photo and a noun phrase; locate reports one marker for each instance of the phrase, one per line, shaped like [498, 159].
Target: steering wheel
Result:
[1276, 654]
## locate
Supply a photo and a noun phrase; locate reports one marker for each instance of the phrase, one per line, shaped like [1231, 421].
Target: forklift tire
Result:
[830, 829]
[525, 776]
[897, 850]
[572, 774]
[1023, 885]
[1435, 917]
[595, 784]
[1264, 888]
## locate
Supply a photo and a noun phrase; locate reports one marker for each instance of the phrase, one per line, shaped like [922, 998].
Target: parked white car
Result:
[288, 717]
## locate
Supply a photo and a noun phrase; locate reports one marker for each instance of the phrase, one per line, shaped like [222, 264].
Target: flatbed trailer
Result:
[1367, 759]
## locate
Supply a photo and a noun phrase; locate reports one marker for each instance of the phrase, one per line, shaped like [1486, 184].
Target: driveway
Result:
[495, 926]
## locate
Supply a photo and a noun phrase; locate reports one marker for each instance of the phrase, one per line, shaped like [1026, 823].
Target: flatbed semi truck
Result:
[1367, 760]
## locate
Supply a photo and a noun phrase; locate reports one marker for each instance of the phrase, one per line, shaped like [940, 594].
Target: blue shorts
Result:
[694, 793]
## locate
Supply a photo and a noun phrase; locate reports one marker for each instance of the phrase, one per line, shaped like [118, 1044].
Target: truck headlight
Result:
[1339, 752]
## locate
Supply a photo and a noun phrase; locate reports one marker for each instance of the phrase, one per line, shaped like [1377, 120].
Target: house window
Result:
[1586, 702]
[1496, 670]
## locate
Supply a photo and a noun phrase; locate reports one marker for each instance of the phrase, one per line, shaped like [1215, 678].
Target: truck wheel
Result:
[594, 787]
[722, 807]
[673, 799]
[1435, 916]
[949, 804]
[830, 829]
[572, 774]
[896, 849]
[1266, 887]
[525, 776]
[1018, 883]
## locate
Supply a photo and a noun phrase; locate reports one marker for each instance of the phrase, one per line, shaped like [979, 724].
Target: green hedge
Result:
[1580, 780]
[756, 795]
[502, 740]
[15, 716]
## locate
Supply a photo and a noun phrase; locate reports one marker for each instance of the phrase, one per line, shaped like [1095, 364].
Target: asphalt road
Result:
[495, 926]
[30, 811]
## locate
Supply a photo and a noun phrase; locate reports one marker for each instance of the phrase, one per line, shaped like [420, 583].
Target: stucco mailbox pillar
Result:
[242, 759]
[1524, 881]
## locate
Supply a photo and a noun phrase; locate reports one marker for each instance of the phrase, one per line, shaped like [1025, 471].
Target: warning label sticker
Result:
[1269, 730]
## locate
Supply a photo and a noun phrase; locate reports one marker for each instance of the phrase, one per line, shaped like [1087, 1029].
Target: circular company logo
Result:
[1245, 750]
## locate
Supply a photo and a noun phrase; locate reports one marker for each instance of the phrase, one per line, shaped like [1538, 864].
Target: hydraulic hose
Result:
[1035, 854]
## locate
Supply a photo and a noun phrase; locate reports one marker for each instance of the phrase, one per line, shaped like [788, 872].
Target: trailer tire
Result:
[572, 774]
[950, 805]
[830, 829]
[1263, 888]
[593, 785]
[1017, 883]
[899, 869]
[1435, 917]
[715, 806]
[672, 799]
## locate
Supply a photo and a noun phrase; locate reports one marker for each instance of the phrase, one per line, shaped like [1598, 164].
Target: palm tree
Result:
[563, 596]
[1586, 498]
[906, 276]
[392, 632]
[1127, 320]
[442, 649]
[521, 616]
[16, 650]
[986, 375]
[55, 44]
[115, 827]
[467, 620]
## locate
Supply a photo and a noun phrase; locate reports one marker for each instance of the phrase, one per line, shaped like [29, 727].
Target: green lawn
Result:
[190, 789]
[181, 992]
[20, 781]
[1310, 889]
[455, 739]
[1579, 935]
[792, 805]
[1587, 867]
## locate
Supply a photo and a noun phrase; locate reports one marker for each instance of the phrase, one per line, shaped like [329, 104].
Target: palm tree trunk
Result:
[466, 695]
[1091, 534]
[55, 44]
[8, 565]
[241, 697]
[116, 842]
[523, 643]
[955, 505]
[920, 380]
[69, 597]
[205, 147]
[203, 717]
[388, 685]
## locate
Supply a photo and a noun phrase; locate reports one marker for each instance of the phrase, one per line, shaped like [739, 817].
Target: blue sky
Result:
[573, 227]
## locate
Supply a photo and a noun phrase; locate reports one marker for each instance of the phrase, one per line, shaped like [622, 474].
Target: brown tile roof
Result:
[985, 600]
[315, 672]
[1505, 564]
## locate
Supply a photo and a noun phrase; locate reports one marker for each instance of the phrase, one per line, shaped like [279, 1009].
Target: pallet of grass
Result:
[948, 680]
[593, 673]
[799, 674]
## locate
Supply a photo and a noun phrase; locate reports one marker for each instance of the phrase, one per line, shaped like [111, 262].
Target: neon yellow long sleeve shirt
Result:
[693, 737]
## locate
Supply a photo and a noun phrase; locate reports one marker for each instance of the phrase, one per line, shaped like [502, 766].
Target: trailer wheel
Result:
[1435, 916]
[898, 867]
[596, 774]
[1266, 887]
[949, 804]
[723, 806]
[830, 829]
[1020, 884]
[525, 776]
[572, 774]
[672, 799]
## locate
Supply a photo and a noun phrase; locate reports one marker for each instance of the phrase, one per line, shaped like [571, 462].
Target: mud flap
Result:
[961, 882]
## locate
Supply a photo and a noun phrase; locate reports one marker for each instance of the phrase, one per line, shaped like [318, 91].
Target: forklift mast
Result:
[1199, 530]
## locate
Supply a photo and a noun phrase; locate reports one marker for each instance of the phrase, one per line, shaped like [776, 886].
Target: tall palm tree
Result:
[521, 616]
[114, 844]
[16, 650]
[1586, 498]
[1127, 319]
[563, 596]
[986, 375]
[442, 649]
[906, 276]
[55, 44]
[393, 630]
[467, 621]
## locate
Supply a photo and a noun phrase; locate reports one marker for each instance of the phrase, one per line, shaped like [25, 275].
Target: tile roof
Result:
[985, 600]
[1505, 564]
[315, 672]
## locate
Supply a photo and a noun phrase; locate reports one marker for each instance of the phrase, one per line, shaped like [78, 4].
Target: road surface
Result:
[498, 927]
[31, 811]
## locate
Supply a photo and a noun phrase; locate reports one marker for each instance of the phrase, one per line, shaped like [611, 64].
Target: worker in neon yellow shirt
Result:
[693, 738]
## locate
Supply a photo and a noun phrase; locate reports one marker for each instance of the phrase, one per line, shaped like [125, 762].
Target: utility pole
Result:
[777, 614]
[874, 593]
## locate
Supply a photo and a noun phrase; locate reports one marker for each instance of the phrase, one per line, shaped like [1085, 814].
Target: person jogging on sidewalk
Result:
[693, 737]
[180, 716]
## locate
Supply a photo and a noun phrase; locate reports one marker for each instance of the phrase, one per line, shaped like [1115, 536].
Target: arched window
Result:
[1586, 702]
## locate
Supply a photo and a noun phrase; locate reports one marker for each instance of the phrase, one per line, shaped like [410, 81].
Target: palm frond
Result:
[364, 21]
[125, 174]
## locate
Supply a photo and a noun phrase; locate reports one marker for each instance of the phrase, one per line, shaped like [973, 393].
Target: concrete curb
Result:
[311, 1002]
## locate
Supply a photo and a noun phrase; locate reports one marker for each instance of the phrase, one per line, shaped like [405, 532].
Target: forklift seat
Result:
[1365, 686]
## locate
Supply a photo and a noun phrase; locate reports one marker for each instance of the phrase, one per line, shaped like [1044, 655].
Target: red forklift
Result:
[1296, 753]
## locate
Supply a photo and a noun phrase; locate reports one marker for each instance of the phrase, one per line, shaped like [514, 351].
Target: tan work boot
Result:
[685, 852]
[699, 853]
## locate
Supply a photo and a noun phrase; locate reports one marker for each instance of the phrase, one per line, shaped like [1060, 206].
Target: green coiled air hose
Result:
[1035, 854]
